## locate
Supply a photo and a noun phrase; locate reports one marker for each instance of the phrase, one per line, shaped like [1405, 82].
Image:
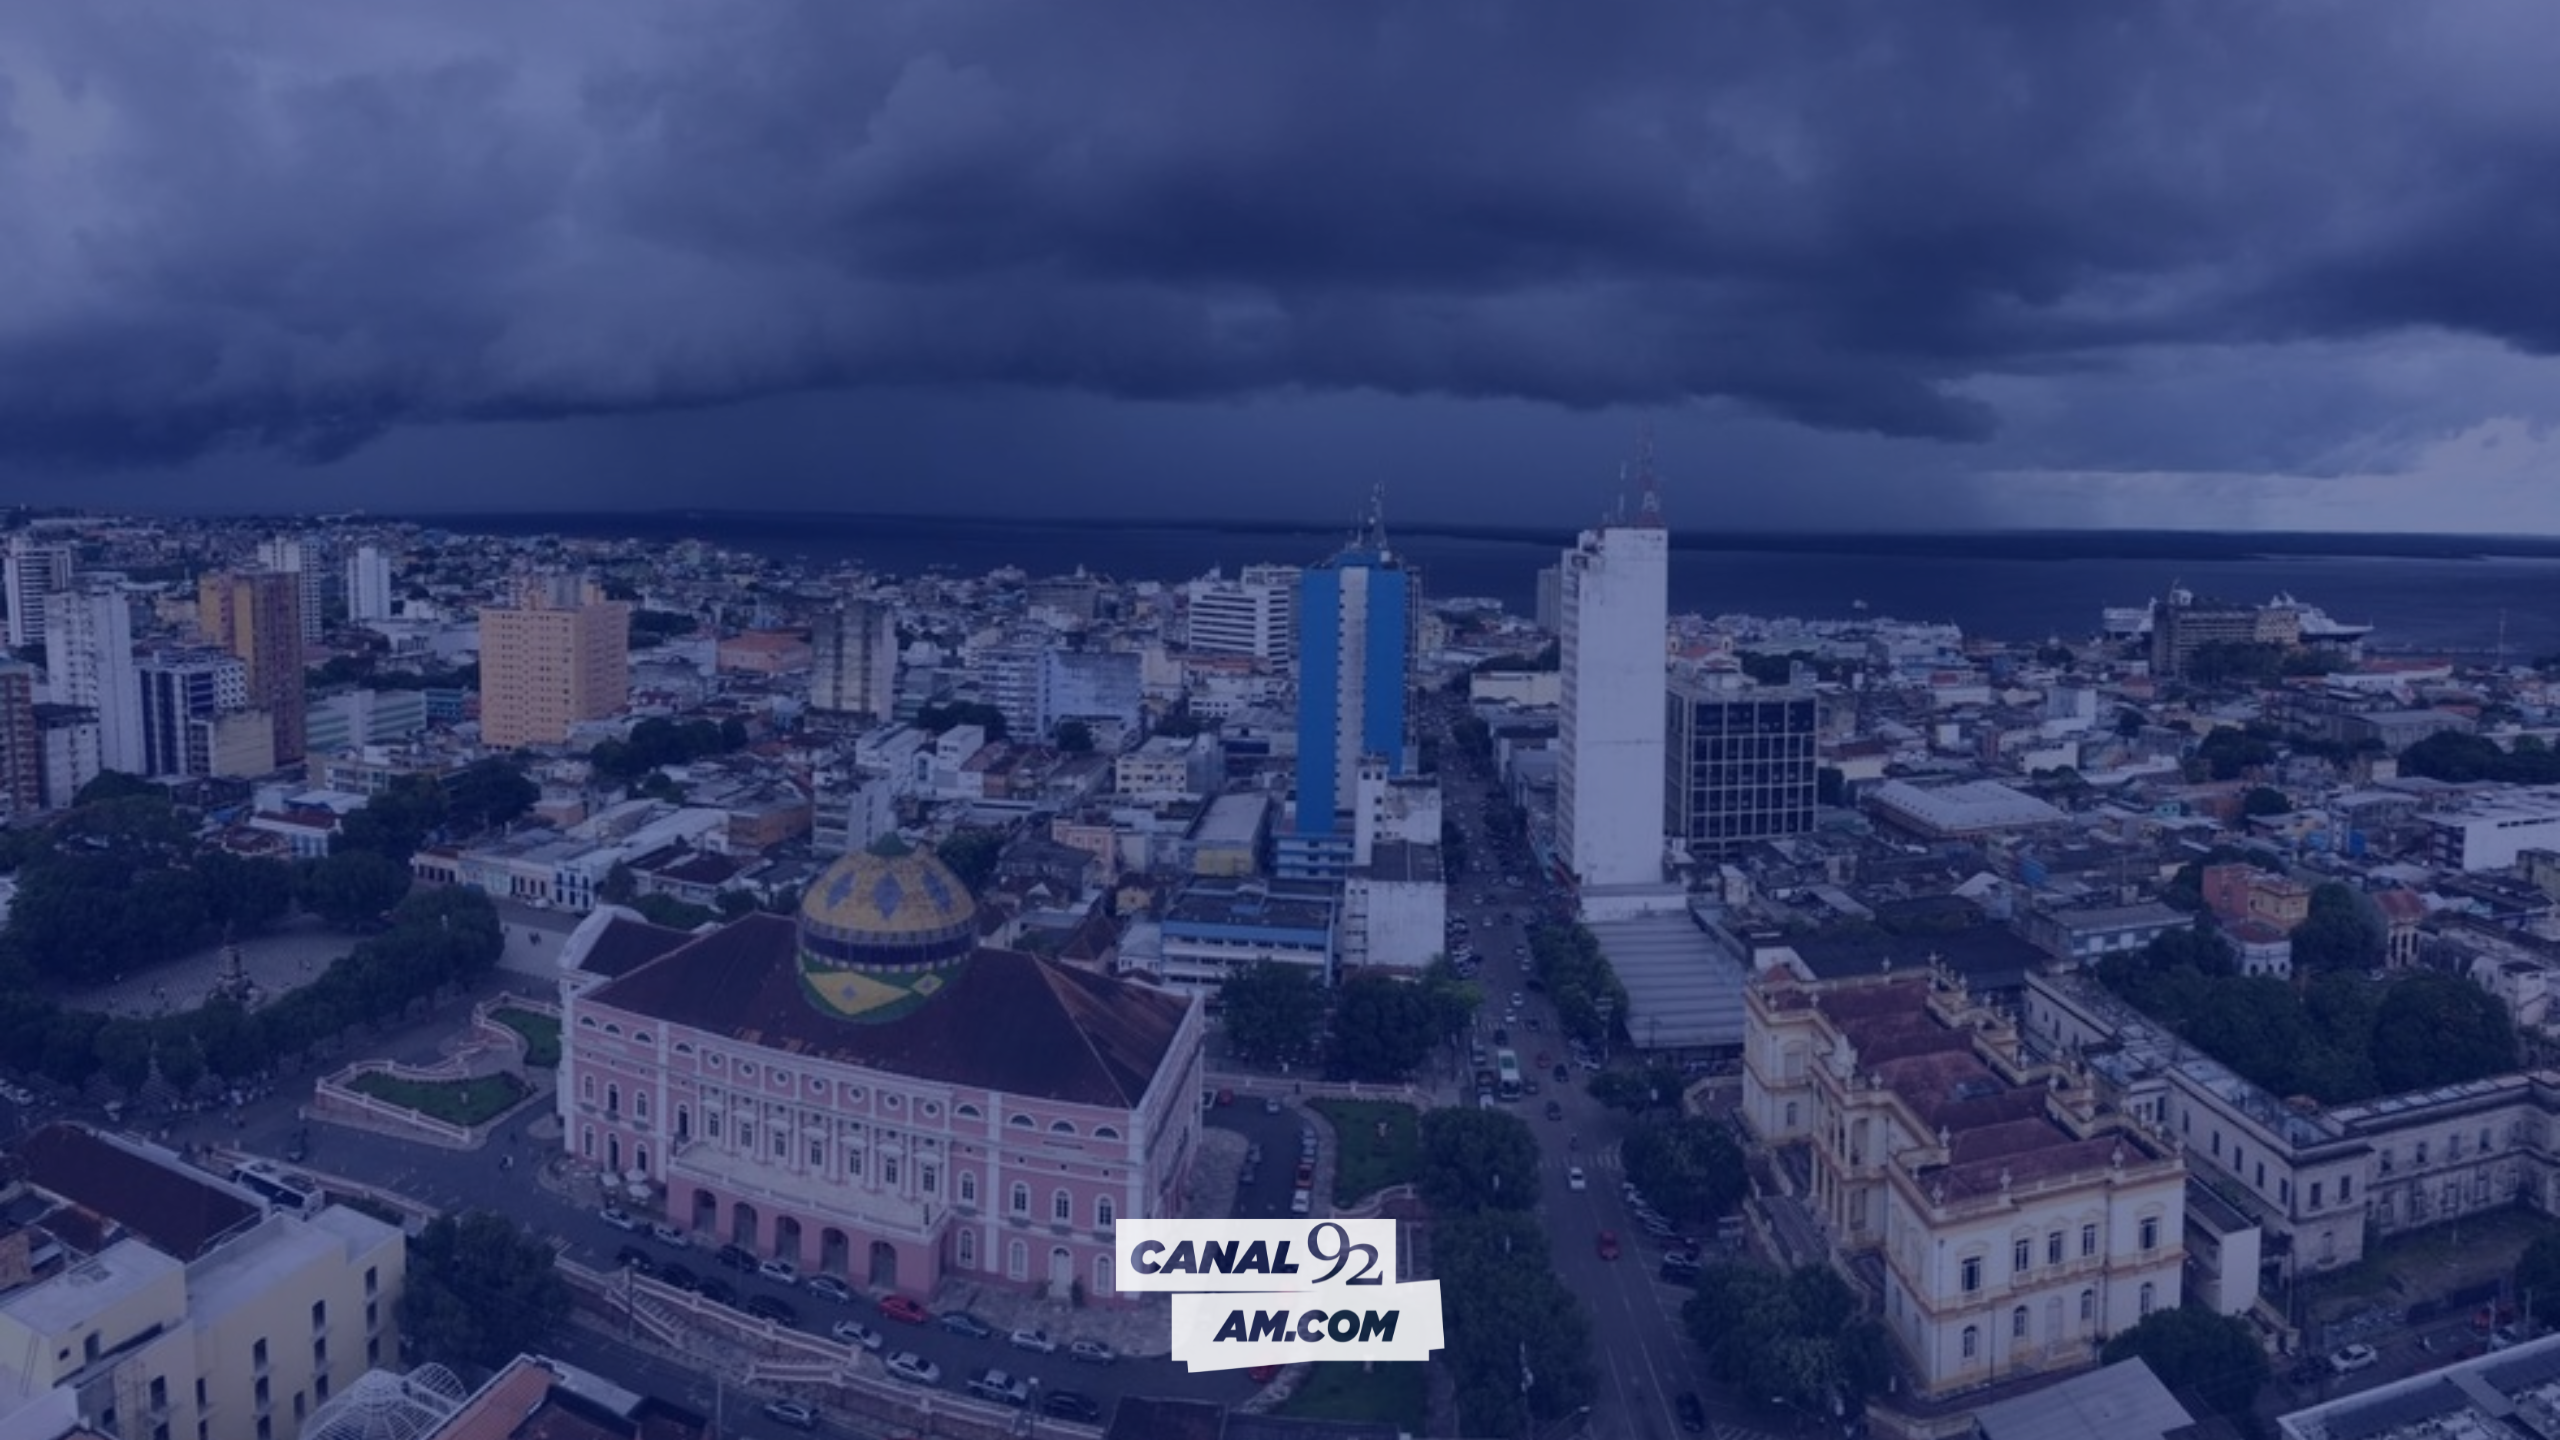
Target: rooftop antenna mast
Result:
[1377, 521]
[1648, 491]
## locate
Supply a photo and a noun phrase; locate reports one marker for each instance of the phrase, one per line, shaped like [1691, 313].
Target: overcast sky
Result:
[1856, 265]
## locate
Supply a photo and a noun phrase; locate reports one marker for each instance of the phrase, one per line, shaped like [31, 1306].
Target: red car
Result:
[1263, 1374]
[1226, 1097]
[899, 1307]
[1608, 1244]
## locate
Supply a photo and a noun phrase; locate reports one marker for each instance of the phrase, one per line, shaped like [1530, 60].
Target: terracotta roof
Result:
[176, 1213]
[1143, 1418]
[626, 945]
[1006, 1020]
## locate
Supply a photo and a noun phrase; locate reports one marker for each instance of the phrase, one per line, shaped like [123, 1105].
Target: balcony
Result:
[809, 1196]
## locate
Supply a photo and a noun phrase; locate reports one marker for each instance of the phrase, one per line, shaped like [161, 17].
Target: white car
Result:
[908, 1365]
[1573, 1179]
[1037, 1341]
[854, 1332]
[828, 1287]
[782, 1271]
[1299, 1203]
[668, 1235]
[1092, 1352]
[617, 1217]
[791, 1413]
[2347, 1359]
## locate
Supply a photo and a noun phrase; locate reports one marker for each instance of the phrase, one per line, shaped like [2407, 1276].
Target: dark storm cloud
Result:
[292, 226]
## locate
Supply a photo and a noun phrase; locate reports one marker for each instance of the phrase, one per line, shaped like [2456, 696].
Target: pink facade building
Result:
[865, 1092]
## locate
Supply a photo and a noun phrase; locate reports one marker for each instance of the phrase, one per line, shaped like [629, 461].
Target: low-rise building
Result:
[1214, 928]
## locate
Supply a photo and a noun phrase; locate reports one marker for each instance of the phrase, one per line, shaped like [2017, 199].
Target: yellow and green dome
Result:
[883, 928]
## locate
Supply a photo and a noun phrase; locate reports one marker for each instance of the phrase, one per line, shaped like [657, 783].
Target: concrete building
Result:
[2086, 935]
[1550, 599]
[185, 1305]
[88, 652]
[764, 652]
[865, 1092]
[1355, 624]
[1742, 763]
[257, 616]
[1214, 928]
[2182, 625]
[1963, 811]
[21, 743]
[1099, 687]
[558, 655]
[1253, 615]
[1169, 767]
[306, 558]
[70, 751]
[2019, 1221]
[33, 570]
[854, 660]
[1610, 723]
[2494, 831]
[2499, 1395]
[368, 585]
[358, 718]
[1395, 909]
[179, 689]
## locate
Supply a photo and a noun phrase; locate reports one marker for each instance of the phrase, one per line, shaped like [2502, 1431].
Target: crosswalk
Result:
[1606, 1160]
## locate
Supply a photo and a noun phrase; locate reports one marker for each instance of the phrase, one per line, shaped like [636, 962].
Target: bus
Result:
[284, 1190]
[1506, 1066]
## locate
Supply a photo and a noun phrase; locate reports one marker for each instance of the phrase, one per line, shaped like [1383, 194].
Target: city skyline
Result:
[1959, 269]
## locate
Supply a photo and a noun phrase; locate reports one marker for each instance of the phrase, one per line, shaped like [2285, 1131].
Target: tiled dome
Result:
[887, 908]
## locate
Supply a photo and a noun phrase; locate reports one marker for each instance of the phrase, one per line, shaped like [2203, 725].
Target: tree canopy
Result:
[1505, 1310]
[352, 890]
[1586, 993]
[480, 1291]
[2215, 1358]
[1272, 1011]
[1690, 1168]
[121, 884]
[1795, 1335]
[940, 717]
[972, 855]
[660, 741]
[1383, 1028]
[1478, 1159]
[2460, 758]
[2344, 931]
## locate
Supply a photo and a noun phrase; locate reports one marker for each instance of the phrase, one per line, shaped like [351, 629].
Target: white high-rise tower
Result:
[88, 657]
[1615, 598]
[368, 585]
[33, 570]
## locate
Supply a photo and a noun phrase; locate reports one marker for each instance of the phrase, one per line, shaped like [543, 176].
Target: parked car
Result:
[668, 1235]
[1562, 1075]
[617, 1217]
[1071, 1405]
[632, 1257]
[2347, 1359]
[909, 1366]
[737, 1257]
[1091, 1352]
[1301, 1202]
[1555, 1111]
[1000, 1387]
[773, 1308]
[780, 1271]
[1271, 1105]
[717, 1291]
[854, 1332]
[904, 1310]
[961, 1322]
[1037, 1341]
[792, 1413]
[1573, 1179]
[1680, 1270]
[1608, 1244]
[828, 1287]
[680, 1278]
[1226, 1097]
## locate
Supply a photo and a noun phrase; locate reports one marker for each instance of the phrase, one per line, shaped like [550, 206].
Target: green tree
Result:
[1503, 1306]
[1637, 1091]
[1383, 1028]
[1690, 1168]
[124, 1054]
[117, 785]
[2215, 1358]
[2343, 931]
[1475, 1159]
[618, 887]
[1794, 1335]
[394, 823]
[2538, 1279]
[659, 908]
[1075, 737]
[972, 855]
[938, 718]
[1272, 1011]
[244, 893]
[2265, 800]
[178, 1054]
[2434, 1029]
[354, 889]
[480, 1291]
[486, 794]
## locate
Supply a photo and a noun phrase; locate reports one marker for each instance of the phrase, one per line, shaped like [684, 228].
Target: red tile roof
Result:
[175, 1212]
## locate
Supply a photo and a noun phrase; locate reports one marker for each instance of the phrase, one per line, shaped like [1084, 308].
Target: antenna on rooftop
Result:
[1649, 493]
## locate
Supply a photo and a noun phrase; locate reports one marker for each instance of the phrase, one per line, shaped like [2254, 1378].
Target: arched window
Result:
[1062, 1207]
[968, 1188]
[1972, 1341]
[1102, 1273]
[2088, 1304]
[640, 1035]
[587, 1022]
[640, 1103]
[1020, 1122]
[684, 1047]
[1021, 1198]
[1061, 1127]
[1017, 1261]
[1105, 1132]
[613, 1099]
[1102, 1212]
[968, 1250]
[2018, 1323]
[2145, 1307]
[966, 1112]
[586, 1087]
[611, 1029]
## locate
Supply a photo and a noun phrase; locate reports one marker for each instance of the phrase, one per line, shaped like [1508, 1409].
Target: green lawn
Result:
[458, 1102]
[541, 1035]
[1371, 1162]
[1343, 1390]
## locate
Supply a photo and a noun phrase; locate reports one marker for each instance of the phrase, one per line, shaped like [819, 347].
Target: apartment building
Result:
[559, 654]
[2019, 1219]
[170, 1303]
[257, 616]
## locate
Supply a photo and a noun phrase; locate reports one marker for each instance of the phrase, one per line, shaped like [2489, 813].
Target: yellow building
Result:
[560, 654]
[2018, 1222]
[172, 1305]
[257, 615]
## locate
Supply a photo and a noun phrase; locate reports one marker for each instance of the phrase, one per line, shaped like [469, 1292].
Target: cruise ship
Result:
[2129, 622]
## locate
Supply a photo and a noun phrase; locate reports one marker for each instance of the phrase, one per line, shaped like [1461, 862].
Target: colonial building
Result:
[866, 1092]
[2015, 1222]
